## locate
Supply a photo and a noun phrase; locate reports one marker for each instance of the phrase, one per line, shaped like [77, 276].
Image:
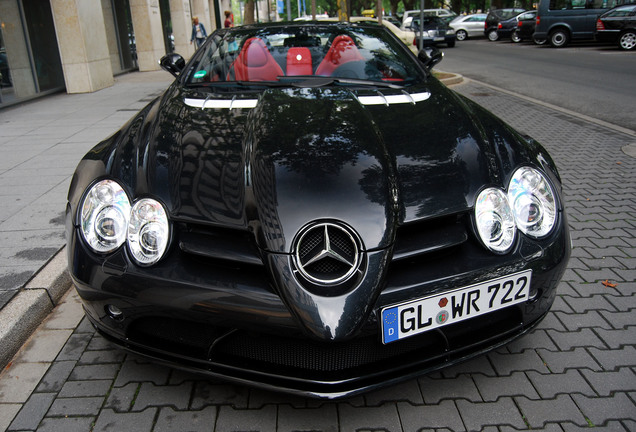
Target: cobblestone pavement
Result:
[41, 143]
[577, 370]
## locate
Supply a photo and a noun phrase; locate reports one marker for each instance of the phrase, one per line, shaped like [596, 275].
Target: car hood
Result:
[299, 155]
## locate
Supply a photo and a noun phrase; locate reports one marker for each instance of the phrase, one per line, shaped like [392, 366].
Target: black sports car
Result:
[307, 209]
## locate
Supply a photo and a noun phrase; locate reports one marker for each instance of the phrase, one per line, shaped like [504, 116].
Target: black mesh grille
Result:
[325, 268]
[341, 242]
[311, 241]
[304, 355]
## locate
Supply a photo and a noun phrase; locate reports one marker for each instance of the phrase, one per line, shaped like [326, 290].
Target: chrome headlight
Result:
[148, 231]
[495, 221]
[104, 216]
[532, 201]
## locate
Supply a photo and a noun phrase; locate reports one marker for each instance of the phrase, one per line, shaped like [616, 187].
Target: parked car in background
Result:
[435, 31]
[493, 19]
[308, 209]
[468, 26]
[562, 21]
[618, 25]
[405, 36]
[518, 28]
[410, 14]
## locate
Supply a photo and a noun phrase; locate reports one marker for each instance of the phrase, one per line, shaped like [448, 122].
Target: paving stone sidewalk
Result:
[41, 143]
[574, 372]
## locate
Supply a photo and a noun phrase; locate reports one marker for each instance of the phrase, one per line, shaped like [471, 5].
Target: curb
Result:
[26, 311]
[453, 79]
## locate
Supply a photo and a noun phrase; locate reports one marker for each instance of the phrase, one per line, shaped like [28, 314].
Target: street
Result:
[595, 80]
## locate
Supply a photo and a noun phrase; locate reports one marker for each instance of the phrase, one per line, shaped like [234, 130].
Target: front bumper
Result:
[432, 41]
[228, 322]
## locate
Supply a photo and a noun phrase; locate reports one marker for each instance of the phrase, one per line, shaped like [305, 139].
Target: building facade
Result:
[80, 45]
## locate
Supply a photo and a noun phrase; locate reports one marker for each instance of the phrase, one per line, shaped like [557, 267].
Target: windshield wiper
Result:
[311, 81]
[239, 84]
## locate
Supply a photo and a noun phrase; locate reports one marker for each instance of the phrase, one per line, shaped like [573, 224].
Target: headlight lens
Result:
[148, 231]
[495, 221]
[532, 201]
[104, 217]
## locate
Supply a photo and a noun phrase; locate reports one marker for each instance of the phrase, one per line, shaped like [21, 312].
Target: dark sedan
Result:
[434, 31]
[618, 25]
[518, 28]
[307, 209]
[493, 19]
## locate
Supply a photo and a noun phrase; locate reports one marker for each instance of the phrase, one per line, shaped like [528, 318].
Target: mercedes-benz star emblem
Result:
[327, 253]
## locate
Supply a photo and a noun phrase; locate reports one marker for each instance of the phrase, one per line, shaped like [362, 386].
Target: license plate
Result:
[417, 316]
[438, 39]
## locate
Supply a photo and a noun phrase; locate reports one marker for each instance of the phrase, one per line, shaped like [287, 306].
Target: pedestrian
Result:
[198, 33]
[229, 19]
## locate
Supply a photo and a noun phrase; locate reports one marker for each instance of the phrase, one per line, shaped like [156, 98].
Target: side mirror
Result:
[172, 63]
[430, 56]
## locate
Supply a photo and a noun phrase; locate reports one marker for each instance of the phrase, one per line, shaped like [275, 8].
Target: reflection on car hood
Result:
[297, 155]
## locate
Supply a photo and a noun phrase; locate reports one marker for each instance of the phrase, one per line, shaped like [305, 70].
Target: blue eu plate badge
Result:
[390, 321]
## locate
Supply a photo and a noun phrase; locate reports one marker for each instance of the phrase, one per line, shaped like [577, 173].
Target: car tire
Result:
[493, 36]
[559, 38]
[540, 41]
[461, 35]
[627, 40]
[515, 37]
[450, 44]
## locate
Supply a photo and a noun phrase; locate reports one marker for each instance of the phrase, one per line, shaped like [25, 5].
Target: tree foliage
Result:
[395, 7]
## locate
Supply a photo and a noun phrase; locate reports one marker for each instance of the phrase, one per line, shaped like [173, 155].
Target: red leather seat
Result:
[343, 50]
[299, 61]
[255, 63]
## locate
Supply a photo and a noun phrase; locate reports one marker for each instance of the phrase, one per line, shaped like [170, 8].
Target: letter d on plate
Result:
[391, 324]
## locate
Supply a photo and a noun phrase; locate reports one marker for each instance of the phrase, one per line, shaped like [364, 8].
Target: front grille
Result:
[430, 237]
[229, 245]
[302, 355]
[302, 358]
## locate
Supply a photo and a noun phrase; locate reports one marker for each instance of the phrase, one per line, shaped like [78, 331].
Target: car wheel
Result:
[559, 38]
[540, 41]
[627, 41]
[450, 44]
[515, 37]
[493, 36]
[461, 35]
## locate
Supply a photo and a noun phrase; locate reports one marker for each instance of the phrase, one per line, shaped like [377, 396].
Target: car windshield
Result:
[282, 54]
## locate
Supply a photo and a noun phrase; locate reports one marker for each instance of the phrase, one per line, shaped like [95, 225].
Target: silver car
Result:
[468, 26]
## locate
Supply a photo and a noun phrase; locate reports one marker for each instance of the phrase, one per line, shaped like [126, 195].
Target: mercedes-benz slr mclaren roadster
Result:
[307, 209]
